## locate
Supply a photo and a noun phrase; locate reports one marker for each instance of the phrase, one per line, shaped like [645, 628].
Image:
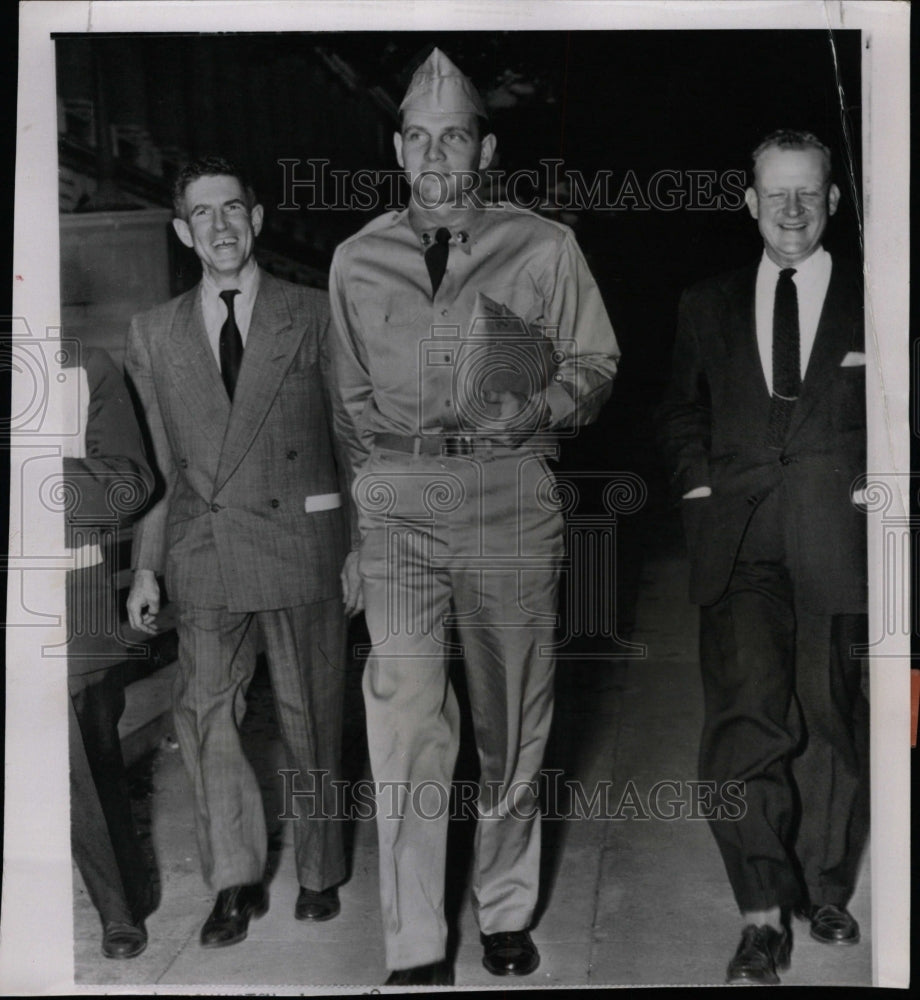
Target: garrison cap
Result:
[438, 87]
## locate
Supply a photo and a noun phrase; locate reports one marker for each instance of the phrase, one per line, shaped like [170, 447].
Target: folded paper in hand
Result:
[500, 353]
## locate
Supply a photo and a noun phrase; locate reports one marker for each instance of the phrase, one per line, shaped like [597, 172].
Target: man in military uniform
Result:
[453, 420]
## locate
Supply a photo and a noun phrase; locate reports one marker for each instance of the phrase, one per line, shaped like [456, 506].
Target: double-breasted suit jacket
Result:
[715, 419]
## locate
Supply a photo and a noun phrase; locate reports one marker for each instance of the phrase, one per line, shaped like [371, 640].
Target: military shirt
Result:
[396, 345]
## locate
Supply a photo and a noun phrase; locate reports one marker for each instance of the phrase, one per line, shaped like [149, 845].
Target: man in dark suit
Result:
[764, 428]
[233, 379]
[109, 482]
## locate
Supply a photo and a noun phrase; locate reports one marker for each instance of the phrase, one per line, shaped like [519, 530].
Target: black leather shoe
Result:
[317, 905]
[762, 951]
[432, 974]
[509, 953]
[121, 940]
[229, 920]
[830, 924]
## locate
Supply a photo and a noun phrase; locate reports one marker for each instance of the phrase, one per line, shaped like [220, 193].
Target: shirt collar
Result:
[805, 269]
[463, 230]
[247, 282]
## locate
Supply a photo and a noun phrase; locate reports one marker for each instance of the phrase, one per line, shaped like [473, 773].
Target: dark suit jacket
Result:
[107, 487]
[714, 427]
[232, 529]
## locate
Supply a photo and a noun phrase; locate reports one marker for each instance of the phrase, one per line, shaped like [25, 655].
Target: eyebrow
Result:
[224, 204]
[410, 127]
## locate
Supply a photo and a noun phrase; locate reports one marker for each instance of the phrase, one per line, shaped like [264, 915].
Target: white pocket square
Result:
[853, 359]
[322, 501]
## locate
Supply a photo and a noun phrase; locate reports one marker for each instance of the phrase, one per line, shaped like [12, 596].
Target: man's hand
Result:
[144, 601]
[352, 592]
[698, 492]
[506, 406]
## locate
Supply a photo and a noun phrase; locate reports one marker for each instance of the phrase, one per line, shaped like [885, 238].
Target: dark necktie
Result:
[787, 378]
[231, 345]
[436, 258]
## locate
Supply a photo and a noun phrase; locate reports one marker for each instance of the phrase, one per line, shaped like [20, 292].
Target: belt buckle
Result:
[457, 444]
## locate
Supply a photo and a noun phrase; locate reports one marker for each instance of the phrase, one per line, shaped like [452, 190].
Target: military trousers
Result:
[475, 544]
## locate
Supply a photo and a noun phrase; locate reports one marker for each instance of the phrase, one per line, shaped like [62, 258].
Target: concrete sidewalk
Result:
[634, 898]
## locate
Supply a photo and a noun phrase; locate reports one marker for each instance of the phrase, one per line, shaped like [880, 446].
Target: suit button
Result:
[752, 501]
[291, 455]
[215, 507]
[787, 460]
[183, 463]
[276, 503]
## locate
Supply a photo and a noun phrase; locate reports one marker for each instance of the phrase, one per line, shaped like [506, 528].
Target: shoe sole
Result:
[753, 982]
[511, 972]
[226, 943]
[317, 920]
[121, 957]
[836, 942]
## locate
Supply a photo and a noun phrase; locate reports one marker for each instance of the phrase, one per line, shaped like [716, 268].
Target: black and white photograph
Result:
[459, 497]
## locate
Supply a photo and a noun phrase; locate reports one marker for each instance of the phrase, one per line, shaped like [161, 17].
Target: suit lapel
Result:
[743, 318]
[271, 344]
[832, 341]
[194, 370]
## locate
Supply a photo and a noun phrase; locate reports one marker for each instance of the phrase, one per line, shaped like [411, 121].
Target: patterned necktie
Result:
[787, 379]
[436, 258]
[231, 345]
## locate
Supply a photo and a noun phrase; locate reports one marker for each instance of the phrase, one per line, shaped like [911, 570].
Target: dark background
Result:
[656, 99]
[640, 101]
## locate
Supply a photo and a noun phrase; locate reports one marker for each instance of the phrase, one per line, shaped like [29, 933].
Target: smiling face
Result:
[220, 226]
[791, 199]
[441, 154]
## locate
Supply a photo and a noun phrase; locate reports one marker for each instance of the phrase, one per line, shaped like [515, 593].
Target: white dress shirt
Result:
[215, 311]
[811, 278]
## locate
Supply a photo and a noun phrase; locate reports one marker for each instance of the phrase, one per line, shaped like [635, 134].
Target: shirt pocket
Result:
[379, 308]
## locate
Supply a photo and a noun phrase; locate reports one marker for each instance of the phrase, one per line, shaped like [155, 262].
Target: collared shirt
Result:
[401, 353]
[215, 311]
[811, 278]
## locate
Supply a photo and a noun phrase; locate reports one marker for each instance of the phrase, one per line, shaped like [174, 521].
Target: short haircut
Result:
[791, 138]
[208, 166]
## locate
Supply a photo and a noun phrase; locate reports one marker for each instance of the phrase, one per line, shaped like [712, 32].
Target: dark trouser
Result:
[785, 714]
[103, 838]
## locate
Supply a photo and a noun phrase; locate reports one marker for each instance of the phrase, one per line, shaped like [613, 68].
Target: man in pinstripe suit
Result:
[250, 535]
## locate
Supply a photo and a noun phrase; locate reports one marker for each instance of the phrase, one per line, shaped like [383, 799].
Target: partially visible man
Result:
[455, 505]
[250, 534]
[765, 431]
[109, 483]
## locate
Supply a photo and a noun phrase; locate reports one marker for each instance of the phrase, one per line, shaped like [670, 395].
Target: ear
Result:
[183, 232]
[833, 197]
[750, 199]
[256, 215]
[397, 145]
[487, 151]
